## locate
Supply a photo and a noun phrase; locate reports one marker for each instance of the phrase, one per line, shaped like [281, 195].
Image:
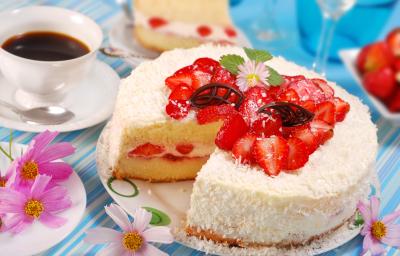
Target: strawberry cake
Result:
[280, 156]
[167, 24]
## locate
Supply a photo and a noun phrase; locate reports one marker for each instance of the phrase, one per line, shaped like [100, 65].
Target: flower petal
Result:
[142, 219]
[390, 218]
[373, 245]
[11, 196]
[392, 237]
[112, 250]
[55, 152]
[39, 185]
[58, 170]
[11, 208]
[119, 216]
[57, 206]
[40, 141]
[103, 235]
[11, 222]
[374, 208]
[18, 228]
[54, 194]
[158, 235]
[51, 220]
[365, 212]
[148, 249]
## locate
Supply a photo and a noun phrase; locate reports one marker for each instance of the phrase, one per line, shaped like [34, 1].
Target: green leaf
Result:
[231, 62]
[358, 220]
[274, 79]
[257, 55]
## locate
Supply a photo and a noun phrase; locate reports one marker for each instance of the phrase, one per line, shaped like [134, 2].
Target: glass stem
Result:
[328, 28]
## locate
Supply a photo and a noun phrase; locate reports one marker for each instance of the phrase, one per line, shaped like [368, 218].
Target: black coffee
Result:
[45, 46]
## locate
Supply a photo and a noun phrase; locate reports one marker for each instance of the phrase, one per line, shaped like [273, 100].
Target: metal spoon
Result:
[127, 11]
[119, 53]
[51, 115]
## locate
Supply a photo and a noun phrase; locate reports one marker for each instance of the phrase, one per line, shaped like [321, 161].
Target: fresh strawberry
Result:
[156, 22]
[255, 97]
[290, 79]
[307, 90]
[181, 78]
[374, 57]
[215, 113]
[397, 66]
[232, 129]
[288, 95]
[230, 32]
[308, 104]
[184, 148]
[393, 40]
[325, 111]
[206, 65]
[204, 30]
[297, 156]
[185, 70]
[323, 85]
[223, 76]
[181, 93]
[321, 130]
[394, 104]
[304, 134]
[266, 126]
[242, 148]
[271, 154]
[178, 109]
[380, 83]
[146, 150]
[341, 109]
[202, 77]
[273, 91]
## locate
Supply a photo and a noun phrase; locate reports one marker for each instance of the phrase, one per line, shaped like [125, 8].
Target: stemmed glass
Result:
[332, 11]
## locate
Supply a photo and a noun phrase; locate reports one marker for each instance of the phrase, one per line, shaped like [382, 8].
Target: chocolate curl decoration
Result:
[216, 94]
[291, 114]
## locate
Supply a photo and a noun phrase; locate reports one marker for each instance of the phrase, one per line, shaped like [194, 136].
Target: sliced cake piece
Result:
[167, 24]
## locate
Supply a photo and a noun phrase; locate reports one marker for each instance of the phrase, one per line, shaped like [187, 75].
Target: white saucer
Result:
[121, 37]
[92, 102]
[38, 238]
[169, 203]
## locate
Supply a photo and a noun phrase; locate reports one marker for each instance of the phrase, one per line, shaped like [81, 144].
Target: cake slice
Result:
[167, 24]
[289, 153]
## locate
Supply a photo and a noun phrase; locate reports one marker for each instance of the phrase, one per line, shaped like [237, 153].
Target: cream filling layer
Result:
[186, 29]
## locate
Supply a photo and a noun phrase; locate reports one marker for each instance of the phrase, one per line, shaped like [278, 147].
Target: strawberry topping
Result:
[215, 113]
[178, 109]
[271, 154]
[325, 111]
[341, 109]
[204, 30]
[182, 92]
[146, 150]
[297, 156]
[184, 149]
[156, 22]
[231, 32]
[242, 148]
[267, 126]
[232, 129]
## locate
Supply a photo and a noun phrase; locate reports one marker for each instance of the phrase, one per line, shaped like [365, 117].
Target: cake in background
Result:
[167, 24]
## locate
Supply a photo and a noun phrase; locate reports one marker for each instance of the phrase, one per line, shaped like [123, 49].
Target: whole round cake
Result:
[279, 155]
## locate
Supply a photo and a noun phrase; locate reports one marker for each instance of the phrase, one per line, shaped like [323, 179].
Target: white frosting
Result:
[256, 207]
[185, 29]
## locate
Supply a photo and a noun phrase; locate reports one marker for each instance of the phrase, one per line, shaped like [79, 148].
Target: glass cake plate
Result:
[169, 202]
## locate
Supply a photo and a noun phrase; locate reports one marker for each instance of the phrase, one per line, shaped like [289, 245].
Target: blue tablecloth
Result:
[104, 13]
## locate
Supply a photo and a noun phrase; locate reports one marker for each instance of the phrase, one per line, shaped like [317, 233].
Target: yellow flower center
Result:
[252, 79]
[378, 229]
[132, 241]
[34, 208]
[30, 170]
[2, 183]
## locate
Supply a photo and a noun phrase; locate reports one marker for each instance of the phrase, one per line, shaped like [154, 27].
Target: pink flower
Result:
[38, 203]
[251, 73]
[7, 179]
[42, 158]
[133, 241]
[376, 231]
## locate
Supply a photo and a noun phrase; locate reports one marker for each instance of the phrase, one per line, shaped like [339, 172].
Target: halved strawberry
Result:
[328, 91]
[304, 134]
[179, 79]
[184, 148]
[215, 113]
[145, 150]
[232, 129]
[255, 97]
[202, 77]
[271, 154]
[307, 90]
[185, 70]
[266, 126]
[297, 156]
[178, 109]
[325, 111]
[289, 79]
[321, 130]
[341, 109]
[181, 93]
[308, 104]
[223, 76]
[288, 95]
[273, 91]
[206, 65]
[242, 148]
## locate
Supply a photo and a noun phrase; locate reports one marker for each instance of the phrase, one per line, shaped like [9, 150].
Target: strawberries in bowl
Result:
[377, 68]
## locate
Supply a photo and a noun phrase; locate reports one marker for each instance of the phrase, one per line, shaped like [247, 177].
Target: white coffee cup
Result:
[41, 83]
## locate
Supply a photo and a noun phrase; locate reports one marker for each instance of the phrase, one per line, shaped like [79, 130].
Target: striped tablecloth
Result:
[104, 13]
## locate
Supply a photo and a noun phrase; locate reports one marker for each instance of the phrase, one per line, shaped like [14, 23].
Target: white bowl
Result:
[349, 59]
